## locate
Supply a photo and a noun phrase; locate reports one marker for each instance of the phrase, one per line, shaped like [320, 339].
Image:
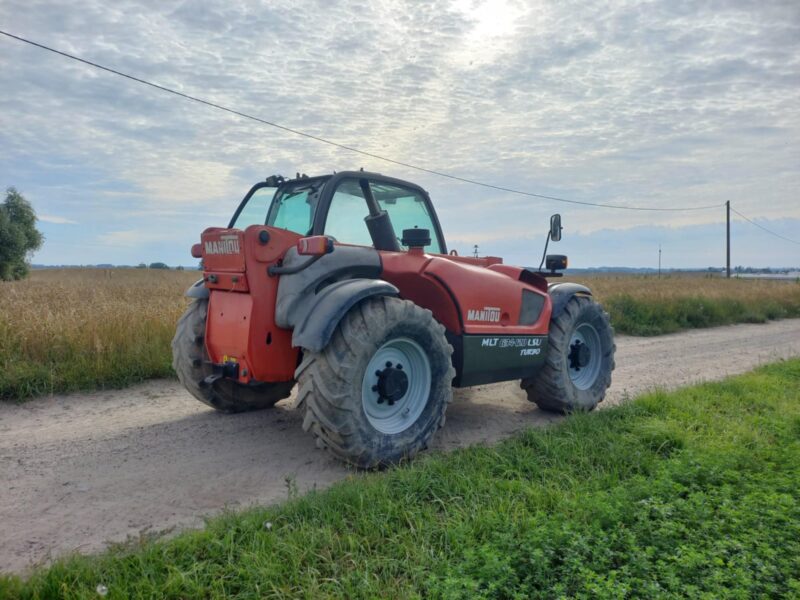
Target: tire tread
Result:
[551, 389]
[326, 382]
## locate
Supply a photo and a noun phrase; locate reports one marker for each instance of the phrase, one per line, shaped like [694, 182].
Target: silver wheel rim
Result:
[407, 355]
[583, 376]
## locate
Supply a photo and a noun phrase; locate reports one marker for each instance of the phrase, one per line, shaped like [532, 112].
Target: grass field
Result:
[694, 493]
[647, 305]
[74, 329]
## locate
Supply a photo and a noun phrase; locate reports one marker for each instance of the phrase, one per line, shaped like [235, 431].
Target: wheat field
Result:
[70, 329]
[76, 329]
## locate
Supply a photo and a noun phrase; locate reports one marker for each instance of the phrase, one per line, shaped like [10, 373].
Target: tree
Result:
[18, 235]
[158, 265]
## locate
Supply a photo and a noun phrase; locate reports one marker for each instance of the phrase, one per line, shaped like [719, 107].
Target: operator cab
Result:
[353, 207]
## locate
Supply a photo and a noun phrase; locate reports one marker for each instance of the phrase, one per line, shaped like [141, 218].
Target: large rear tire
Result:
[378, 392]
[579, 360]
[190, 361]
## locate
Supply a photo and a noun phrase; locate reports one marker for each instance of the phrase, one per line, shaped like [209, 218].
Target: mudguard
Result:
[314, 300]
[330, 305]
[561, 293]
[197, 290]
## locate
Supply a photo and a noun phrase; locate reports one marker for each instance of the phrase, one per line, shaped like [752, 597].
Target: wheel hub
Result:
[396, 385]
[579, 355]
[585, 356]
[392, 383]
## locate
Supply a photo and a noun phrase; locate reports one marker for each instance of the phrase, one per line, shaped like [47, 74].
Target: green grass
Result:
[649, 305]
[644, 316]
[694, 493]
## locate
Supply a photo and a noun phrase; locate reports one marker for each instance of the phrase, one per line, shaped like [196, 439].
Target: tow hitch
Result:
[228, 369]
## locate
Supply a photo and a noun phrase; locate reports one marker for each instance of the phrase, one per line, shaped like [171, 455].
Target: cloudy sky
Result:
[640, 103]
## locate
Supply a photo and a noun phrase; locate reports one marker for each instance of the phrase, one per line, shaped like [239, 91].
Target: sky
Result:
[638, 103]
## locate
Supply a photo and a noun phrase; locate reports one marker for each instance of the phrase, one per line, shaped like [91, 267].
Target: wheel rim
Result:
[396, 386]
[584, 356]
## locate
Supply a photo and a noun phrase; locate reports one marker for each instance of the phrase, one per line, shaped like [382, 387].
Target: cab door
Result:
[407, 209]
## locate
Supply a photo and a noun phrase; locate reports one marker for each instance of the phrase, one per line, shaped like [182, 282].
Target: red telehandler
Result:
[343, 285]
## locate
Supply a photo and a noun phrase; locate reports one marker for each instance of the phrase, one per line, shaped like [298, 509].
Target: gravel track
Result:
[81, 470]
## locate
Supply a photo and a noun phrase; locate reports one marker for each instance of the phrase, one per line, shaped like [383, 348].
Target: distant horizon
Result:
[709, 269]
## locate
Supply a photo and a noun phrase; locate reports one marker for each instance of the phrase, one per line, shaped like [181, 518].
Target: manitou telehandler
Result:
[343, 284]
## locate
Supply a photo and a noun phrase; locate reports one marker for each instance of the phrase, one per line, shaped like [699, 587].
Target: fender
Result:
[197, 290]
[561, 293]
[314, 300]
[330, 305]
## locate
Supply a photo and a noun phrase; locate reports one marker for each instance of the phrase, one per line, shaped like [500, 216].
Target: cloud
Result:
[134, 238]
[56, 219]
[661, 104]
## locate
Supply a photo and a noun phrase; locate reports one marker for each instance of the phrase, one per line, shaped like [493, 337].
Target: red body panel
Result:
[222, 250]
[477, 261]
[465, 297]
[407, 271]
[241, 326]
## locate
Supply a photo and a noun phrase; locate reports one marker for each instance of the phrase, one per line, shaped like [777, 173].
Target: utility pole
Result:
[659, 261]
[728, 236]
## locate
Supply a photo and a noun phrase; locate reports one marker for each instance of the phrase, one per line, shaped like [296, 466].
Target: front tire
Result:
[190, 361]
[378, 392]
[579, 361]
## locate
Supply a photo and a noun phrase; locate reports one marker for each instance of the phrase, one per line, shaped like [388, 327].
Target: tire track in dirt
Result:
[81, 470]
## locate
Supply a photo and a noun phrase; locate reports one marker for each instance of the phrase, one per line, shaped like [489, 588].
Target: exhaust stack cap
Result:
[416, 238]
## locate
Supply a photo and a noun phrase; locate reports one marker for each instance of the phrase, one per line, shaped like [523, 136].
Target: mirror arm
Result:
[544, 254]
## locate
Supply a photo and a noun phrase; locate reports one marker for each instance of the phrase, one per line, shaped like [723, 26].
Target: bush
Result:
[18, 235]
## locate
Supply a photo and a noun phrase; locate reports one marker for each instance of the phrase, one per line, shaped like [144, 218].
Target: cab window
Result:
[255, 211]
[294, 208]
[408, 209]
[345, 221]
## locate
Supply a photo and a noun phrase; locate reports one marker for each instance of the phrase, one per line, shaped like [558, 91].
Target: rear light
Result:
[197, 251]
[316, 245]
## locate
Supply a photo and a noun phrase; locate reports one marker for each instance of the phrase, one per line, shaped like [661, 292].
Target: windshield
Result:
[255, 211]
[294, 206]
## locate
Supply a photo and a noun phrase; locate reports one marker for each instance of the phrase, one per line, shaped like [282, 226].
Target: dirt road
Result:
[78, 471]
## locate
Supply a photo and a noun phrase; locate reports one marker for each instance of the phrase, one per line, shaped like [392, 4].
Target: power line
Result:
[764, 228]
[344, 146]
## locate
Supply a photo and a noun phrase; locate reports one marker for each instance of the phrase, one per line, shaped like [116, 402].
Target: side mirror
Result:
[555, 227]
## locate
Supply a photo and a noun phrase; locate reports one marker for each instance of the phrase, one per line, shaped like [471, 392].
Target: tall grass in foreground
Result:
[694, 493]
[74, 329]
